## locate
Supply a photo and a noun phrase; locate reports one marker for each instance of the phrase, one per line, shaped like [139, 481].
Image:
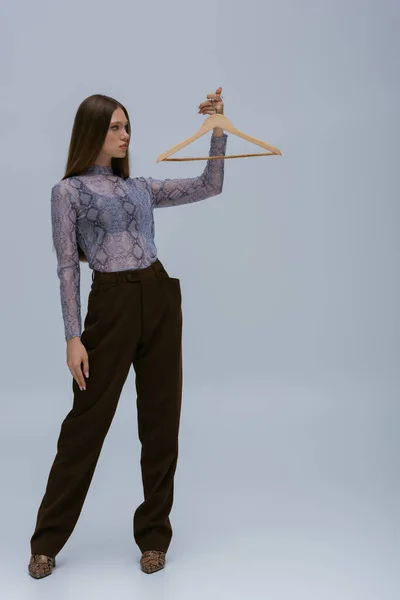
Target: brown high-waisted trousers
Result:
[134, 317]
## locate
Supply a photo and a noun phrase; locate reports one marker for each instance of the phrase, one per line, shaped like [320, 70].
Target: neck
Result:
[100, 169]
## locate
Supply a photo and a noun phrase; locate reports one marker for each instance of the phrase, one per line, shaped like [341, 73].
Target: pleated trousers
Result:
[134, 318]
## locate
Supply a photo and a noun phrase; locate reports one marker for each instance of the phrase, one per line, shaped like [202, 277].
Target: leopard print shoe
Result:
[152, 560]
[41, 565]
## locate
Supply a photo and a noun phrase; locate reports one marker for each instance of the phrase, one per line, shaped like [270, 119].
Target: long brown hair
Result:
[89, 131]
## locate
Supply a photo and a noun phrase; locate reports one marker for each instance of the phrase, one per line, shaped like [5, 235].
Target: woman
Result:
[102, 216]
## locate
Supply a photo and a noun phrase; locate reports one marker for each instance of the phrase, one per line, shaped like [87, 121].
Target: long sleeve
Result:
[63, 221]
[173, 192]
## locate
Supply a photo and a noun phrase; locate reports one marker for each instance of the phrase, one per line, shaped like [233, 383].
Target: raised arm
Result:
[173, 192]
[63, 222]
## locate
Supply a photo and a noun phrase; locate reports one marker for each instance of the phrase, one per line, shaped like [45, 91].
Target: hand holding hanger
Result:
[214, 104]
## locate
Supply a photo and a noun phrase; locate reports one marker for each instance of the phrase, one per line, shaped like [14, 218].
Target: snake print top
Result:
[111, 219]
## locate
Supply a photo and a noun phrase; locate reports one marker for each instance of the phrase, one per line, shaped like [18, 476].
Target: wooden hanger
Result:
[219, 120]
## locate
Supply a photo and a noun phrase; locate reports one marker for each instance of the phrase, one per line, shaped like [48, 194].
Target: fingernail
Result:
[87, 373]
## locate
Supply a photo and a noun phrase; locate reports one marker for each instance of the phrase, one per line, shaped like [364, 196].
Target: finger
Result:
[205, 103]
[78, 376]
[86, 367]
[218, 92]
[214, 97]
[213, 105]
[207, 109]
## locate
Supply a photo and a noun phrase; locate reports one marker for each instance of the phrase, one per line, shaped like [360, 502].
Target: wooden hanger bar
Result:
[215, 157]
[219, 120]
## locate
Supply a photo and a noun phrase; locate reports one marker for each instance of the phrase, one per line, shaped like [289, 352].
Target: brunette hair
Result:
[89, 131]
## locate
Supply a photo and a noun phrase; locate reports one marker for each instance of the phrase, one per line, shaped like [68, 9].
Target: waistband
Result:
[130, 274]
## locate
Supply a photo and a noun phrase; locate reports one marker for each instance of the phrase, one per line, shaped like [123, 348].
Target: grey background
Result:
[287, 481]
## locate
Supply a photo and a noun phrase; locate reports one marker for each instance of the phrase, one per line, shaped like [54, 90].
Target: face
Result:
[116, 136]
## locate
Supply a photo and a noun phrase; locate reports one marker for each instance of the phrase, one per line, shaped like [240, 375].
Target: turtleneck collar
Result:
[102, 169]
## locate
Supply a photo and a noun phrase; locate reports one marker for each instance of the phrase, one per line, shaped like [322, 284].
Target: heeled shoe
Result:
[41, 565]
[152, 560]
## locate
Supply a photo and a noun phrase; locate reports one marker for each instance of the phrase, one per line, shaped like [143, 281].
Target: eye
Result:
[114, 126]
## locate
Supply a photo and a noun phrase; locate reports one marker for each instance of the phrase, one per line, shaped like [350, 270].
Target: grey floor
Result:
[283, 491]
